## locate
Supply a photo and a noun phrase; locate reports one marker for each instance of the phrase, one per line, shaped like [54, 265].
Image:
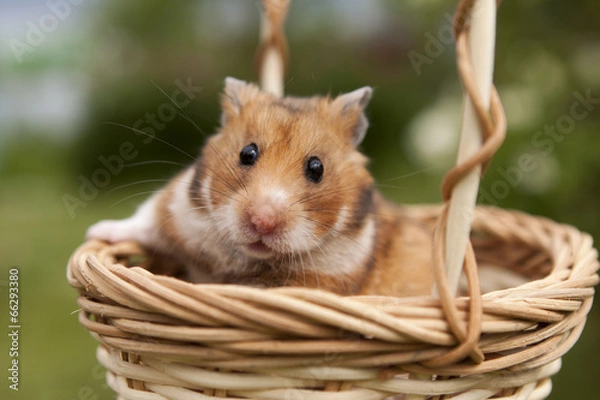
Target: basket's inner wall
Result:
[503, 264]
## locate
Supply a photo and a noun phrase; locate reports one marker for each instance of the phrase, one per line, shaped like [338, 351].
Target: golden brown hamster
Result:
[280, 196]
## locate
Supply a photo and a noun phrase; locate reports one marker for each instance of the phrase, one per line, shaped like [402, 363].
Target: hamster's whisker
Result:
[152, 136]
[181, 112]
[410, 174]
[291, 260]
[199, 208]
[326, 253]
[303, 268]
[338, 232]
[132, 196]
[218, 177]
[299, 256]
[137, 164]
[313, 266]
[318, 245]
[217, 191]
[396, 187]
[137, 183]
[229, 168]
[337, 210]
[375, 214]
[326, 194]
[219, 242]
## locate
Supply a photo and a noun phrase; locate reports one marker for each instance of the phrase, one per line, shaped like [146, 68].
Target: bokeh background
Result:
[76, 77]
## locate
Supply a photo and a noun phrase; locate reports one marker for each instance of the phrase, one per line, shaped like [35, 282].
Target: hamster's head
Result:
[283, 176]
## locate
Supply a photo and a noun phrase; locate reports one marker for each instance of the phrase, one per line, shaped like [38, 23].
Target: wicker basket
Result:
[163, 338]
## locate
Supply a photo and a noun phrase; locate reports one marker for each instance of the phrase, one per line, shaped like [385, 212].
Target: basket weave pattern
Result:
[163, 338]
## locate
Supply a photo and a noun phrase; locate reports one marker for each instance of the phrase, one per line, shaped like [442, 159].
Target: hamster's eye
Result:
[314, 170]
[249, 154]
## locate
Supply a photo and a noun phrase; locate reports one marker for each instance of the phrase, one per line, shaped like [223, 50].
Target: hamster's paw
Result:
[115, 231]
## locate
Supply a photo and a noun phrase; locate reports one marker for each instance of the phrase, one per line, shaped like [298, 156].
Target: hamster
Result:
[280, 196]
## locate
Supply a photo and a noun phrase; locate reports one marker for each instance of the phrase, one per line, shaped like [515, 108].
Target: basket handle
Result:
[483, 131]
[272, 54]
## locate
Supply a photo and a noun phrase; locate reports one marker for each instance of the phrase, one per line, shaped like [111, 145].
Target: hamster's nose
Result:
[265, 219]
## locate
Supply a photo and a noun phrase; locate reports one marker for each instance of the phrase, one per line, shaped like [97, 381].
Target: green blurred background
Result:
[74, 75]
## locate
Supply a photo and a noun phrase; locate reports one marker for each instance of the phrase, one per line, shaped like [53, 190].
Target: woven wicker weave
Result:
[163, 338]
[167, 339]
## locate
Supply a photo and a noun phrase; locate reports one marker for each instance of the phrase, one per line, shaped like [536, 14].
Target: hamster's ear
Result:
[350, 107]
[237, 93]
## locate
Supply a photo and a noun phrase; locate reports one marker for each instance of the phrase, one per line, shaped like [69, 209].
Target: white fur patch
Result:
[205, 192]
[229, 220]
[202, 230]
[341, 220]
[300, 239]
[140, 227]
[344, 255]
[189, 222]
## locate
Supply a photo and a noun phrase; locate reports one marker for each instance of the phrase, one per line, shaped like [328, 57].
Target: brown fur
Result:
[402, 255]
